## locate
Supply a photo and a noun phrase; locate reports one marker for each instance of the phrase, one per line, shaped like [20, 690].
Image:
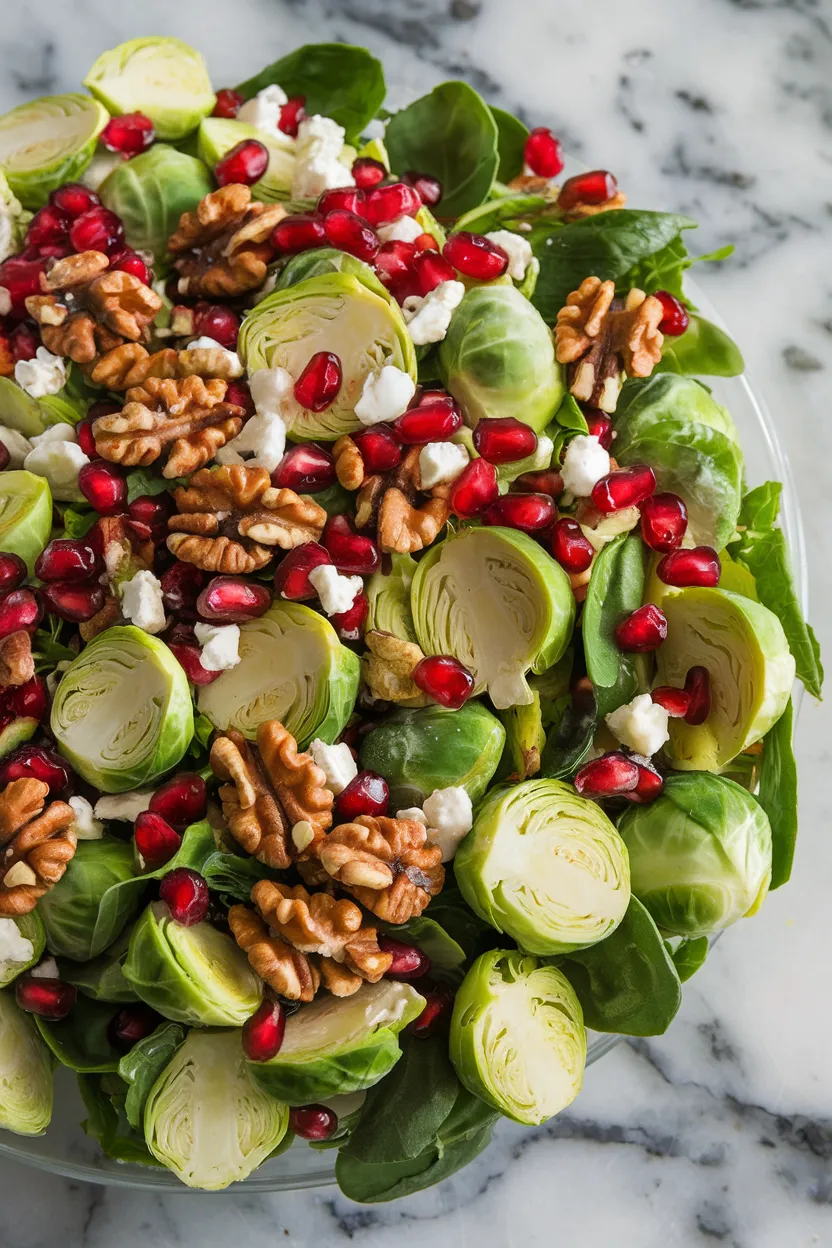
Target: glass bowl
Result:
[66, 1150]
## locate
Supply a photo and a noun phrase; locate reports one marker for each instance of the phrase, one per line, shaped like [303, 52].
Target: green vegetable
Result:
[150, 193]
[389, 596]
[778, 795]
[122, 714]
[546, 866]
[571, 737]
[106, 1122]
[83, 914]
[703, 350]
[646, 405]
[292, 668]
[511, 142]
[25, 515]
[18, 410]
[163, 78]
[47, 142]
[689, 956]
[447, 957]
[217, 135]
[103, 977]
[81, 1040]
[142, 1066]
[30, 927]
[25, 1072]
[700, 854]
[517, 1036]
[326, 260]
[525, 739]
[614, 592]
[509, 212]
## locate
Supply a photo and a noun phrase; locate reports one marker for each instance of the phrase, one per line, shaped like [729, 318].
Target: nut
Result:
[36, 843]
[387, 669]
[387, 864]
[407, 517]
[222, 249]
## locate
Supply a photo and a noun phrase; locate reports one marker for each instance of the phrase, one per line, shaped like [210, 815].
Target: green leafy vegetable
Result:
[142, 1066]
[689, 955]
[78, 522]
[704, 350]
[511, 141]
[26, 1065]
[86, 910]
[778, 795]
[102, 978]
[150, 193]
[81, 1041]
[615, 591]
[141, 482]
[106, 1123]
[570, 739]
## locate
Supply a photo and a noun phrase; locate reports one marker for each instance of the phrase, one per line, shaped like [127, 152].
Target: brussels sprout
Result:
[498, 358]
[25, 515]
[496, 601]
[22, 941]
[218, 135]
[102, 978]
[82, 914]
[339, 312]
[47, 142]
[517, 1036]
[744, 648]
[546, 866]
[161, 77]
[703, 349]
[292, 668]
[206, 1120]
[645, 404]
[25, 1072]
[389, 597]
[122, 714]
[340, 1044]
[195, 975]
[13, 221]
[525, 739]
[18, 410]
[144, 1063]
[81, 1041]
[323, 260]
[150, 193]
[700, 854]
[418, 751]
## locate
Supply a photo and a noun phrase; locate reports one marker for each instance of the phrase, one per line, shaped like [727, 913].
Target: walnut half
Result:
[36, 843]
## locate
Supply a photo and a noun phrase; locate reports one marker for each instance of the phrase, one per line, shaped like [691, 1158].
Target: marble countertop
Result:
[721, 1131]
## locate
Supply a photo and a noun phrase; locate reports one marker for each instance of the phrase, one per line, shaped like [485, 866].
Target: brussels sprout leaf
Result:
[511, 141]
[689, 955]
[232, 876]
[80, 1041]
[141, 1067]
[778, 795]
[615, 590]
[102, 978]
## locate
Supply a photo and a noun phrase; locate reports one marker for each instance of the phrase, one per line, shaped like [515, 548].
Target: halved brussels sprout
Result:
[335, 312]
[18, 410]
[163, 78]
[340, 1044]
[195, 975]
[546, 866]
[25, 515]
[206, 1120]
[217, 135]
[498, 358]
[77, 925]
[430, 748]
[700, 854]
[517, 1036]
[122, 714]
[321, 260]
[389, 598]
[25, 1072]
[150, 193]
[745, 651]
[493, 599]
[47, 142]
[22, 941]
[292, 668]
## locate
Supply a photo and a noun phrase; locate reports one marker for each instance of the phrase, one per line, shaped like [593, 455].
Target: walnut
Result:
[125, 552]
[231, 519]
[16, 662]
[577, 211]
[349, 466]
[291, 974]
[387, 864]
[209, 362]
[388, 669]
[131, 364]
[223, 247]
[36, 843]
[407, 517]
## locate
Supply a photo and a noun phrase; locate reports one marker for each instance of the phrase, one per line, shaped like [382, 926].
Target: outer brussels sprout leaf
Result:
[496, 601]
[163, 78]
[546, 866]
[142, 1066]
[700, 854]
[217, 135]
[13, 221]
[340, 1044]
[744, 648]
[644, 405]
[292, 668]
[122, 714]
[614, 592]
[25, 515]
[103, 977]
[323, 260]
[30, 928]
[508, 212]
[195, 975]
[517, 1036]
[18, 410]
[83, 913]
[81, 1041]
[150, 193]
[333, 312]
[778, 795]
[25, 1072]
[431, 748]
[704, 350]
[47, 142]
[511, 143]
[498, 358]
[205, 1119]
[389, 596]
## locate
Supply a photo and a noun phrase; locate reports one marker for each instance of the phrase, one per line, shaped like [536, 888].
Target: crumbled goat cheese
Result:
[142, 602]
[270, 388]
[123, 806]
[336, 762]
[429, 316]
[385, 395]
[86, 827]
[263, 110]
[261, 443]
[440, 462]
[14, 947]
[450, 817]
[45, 374]
[336, 592]
[414, 813]
[518, 250]
[318, 166]
[47, 969]
[641, 725]
[584, 464]
[220, 646]
[15, 443]
[405, 230]
[57, 456]
[235, 368]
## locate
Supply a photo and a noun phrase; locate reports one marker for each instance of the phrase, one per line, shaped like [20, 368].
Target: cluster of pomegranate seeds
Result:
[299, 232]
[317, 387]
[291, 580]
[698, 566]
[595, 187]
[152, 511]
[439, 1003]
[49, 225]
[306, 469]
[104, 487]
[444, 679]
[129, 134]
[13, 571]
[313, 1122]
[675, 319]
[74, 199]
[543, 153]
[627, 487]
[21, 278]
[366, 794]
[368, 172]
[97, 229]
[231, 600]
[350, 551]
[572, 550]
[229, 103]
[664, 522]
[475, 489]
[19, 609]
[292, 114]
[349, 197]
[378, 448]
[75, 603]
[131, 1024]
[643, 631]
[428, 188]
[68, 559]
[608, 776]
[156, 841]
[409, 962]
[186, 895]
[530, 513]
[434, 418]
[504, 440]
[263, 1033]
[51, 999]
[181, 800]
[214, 320]
[475, 256]
[351, 233]
[545, 482]
[37, 762]
[246, 162]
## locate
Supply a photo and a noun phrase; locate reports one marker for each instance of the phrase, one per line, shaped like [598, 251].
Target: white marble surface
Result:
[720, 1132]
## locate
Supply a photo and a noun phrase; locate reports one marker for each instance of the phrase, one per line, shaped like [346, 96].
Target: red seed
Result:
[600, 427]
[181, 800]
[642, 631]
[130, 134]
[349, 197]
[24, 342]
[425, 242]
[379, 450]
[439, 1003]
[74, 199]
[129, 261]
[291, 580]
[131, 1024]
[239, 394]
[545, 482]
[543, 153]
[98, 229]
[386, 204]
[572, 550]
[313, 1122]
[530, 513]
[350, 551]
[368, 172]
[19, 609]
[152, 511]
[408, 961]
[306, 469]
[317, 387]
[299, 232]
[682, 568]
[428, 188]
[155, 839]
[28, 701]
[675, 701]
[474, 489]
[13, 572]
[366, 794]
[51, 999]
[67, 559]
[292, 114]
[5, 457]
[650, 785]
[182, 583]
[625, 488]
[394, 262]
[698, 689]
[38, 763]
[351, 233]
[475, 256]
[103, 407]
[229, 103]
[245, 163]
[435, 419]
[76, 603]
[263, 1032]
[103, 487]
[231, 600]
[349, 624]
[431, 270]
[186, 894]
[675, 319]
[183, 646]
[21, 278]
[49, 226]
[504, 439]
[596, 187]
[664, 522]
[444, 679]
[607, 776]
[213, 320]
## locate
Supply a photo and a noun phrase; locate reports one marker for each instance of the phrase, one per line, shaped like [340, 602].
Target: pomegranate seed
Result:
[675, 319]
[607, 776]
[425, 242]
[349, 624]
[186, 895]
[263, 1032]
[546, 482]
[504, 439]
[49, 225]
[474, 489]
[74, 199]
[38, 763]
[351, 233]
[317, 387]
[388, 203]
[239, 394]
[152, 511]
[104, 407]
[435, 419]
[28, 701]
[428, 188]
[444, 679]
[698, 689]
[675, 701]
[431, 270]
[543, 153]
[131, 1024]
[215, 321]
[378, 449]
[394, 261]
[530, 513]
[230, 600]
[368, 172]
[292, 114]
[299, 232]
[437, 1012]
[76, 603]
[24, 342]
[682, 568]
[313, 1122]
[48, 998]
[650, 785]
[664, 522]
[229, 103]
[291, 580]
[103, 487]
[366, 794]
[644, 630]
[625, 488]
[180, 801]
[19, 609]
[5, 457]
[600, 427]
[307, 469]
[184, 648]
[182, 584]
[475, 256]
[21, 278]
[350, 551]
[596, 187]
[245, 163]
[67, 559]
[408, 961]
[350, 198]
[13, 572]
[129, 134]
[155, 839]
[98, 229]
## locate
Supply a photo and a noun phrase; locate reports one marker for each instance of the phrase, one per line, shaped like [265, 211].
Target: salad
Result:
[395, 667]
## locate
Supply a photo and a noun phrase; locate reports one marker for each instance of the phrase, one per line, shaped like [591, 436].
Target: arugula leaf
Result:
[511, 142]
[141, 1067]
[614, 592]
[47, 648]
[689, 955]
[777, 795]
[665, 269]
[78, 523]
[141, 482]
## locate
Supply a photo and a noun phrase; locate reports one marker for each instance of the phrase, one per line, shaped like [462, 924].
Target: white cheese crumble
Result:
[45, 374]
[450, 817]
[440, 462]
[123, 806]
[57, 456]
[142, 602]
[220, 645]
[14, 946]
[414, 813]
[47, 969]
[385, 395]
[86, 827]
[429, 316]
[234, 369]
[641, 725]
[405, 230]
[263, 110]
[336, 592]
[261, 443]
[336, 762]
[584, 464]
[318, 166]
[518, 250]
[271, 389]
[15, 443]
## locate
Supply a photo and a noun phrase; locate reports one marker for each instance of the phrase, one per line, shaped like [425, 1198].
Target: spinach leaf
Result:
[337, 79]
[80, 1041]
[511, 141]
[451, 135]
[570, 741]
[78, 523]
[447, 957]
[569, 415]
[104, 1122]
[689, 955]
[614, 592]
[47, 648]
[142, 1066]
[459, 922]
[665, 269]
[141, 482]
[704, 349]
[233, 876]
[778, 795]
